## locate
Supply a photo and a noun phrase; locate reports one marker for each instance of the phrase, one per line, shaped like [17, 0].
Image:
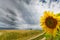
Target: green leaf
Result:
[58, 14]
[48, 36]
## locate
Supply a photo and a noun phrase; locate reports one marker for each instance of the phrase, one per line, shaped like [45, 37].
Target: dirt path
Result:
[38, 36]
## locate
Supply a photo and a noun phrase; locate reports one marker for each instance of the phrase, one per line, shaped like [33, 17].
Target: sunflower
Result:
[50, 23]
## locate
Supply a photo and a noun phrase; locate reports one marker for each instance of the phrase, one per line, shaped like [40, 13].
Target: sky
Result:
[25, 14]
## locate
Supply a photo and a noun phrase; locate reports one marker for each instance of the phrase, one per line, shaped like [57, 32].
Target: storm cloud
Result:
[24, 14]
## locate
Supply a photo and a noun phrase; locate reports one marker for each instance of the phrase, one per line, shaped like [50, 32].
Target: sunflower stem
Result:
[52, 38]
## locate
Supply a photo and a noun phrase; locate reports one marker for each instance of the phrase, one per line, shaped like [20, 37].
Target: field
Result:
[21, 35]
[26, 35]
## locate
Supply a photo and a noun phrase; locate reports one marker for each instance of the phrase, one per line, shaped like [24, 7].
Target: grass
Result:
[25, 35]
[18, 34]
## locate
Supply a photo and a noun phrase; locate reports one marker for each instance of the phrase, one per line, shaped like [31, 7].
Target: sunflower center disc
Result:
[51, 22]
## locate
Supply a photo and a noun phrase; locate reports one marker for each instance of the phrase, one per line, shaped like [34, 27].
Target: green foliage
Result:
[57, 36]
[58, 14]
[47, 35]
